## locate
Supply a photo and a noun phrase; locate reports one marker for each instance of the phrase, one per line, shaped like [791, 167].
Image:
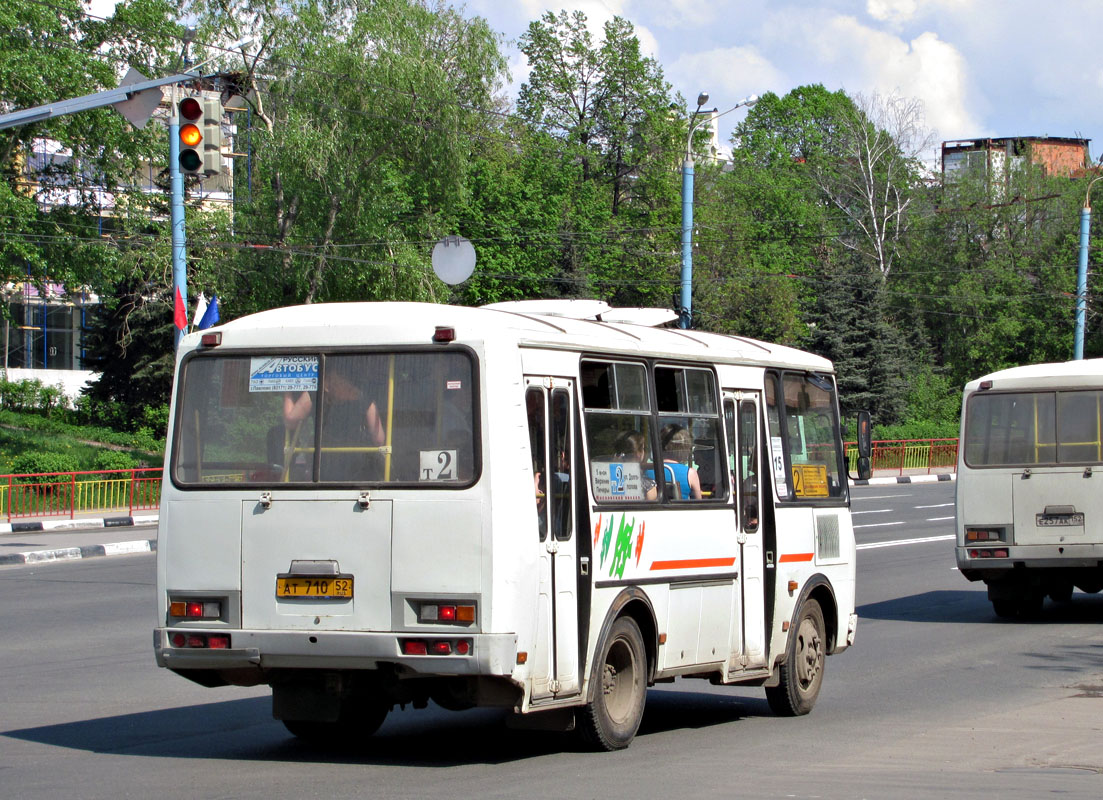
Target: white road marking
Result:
[877, 496]
[898, 542]
[878, 524]
[938, 519]
[873, 511]
[940, 505]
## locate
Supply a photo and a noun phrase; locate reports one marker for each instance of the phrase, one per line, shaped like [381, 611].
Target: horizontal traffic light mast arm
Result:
[107, 97]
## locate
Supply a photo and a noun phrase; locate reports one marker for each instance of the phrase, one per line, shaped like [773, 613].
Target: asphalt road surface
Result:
[938, 698]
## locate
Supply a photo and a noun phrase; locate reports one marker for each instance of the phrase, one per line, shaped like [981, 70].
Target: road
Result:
[937, 699]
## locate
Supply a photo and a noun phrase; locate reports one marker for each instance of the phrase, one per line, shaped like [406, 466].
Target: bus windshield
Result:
[326, 418]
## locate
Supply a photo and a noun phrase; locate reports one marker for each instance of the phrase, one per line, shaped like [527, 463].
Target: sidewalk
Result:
[37, 540]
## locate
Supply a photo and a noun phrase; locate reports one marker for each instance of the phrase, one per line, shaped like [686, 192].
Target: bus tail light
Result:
[213, 641]
[446, 612]
[195, 609]
[983, 535]
[435, 647]
[999, 553]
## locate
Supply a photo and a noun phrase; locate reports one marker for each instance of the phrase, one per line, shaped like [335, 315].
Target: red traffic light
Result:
[191, 108]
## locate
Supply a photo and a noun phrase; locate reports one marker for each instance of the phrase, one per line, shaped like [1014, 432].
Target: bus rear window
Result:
[335, 418]
[1027, 428]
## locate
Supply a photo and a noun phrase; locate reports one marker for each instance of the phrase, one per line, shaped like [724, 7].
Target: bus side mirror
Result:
[865, 446]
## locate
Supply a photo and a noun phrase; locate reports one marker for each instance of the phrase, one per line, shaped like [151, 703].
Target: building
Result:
[997, 159]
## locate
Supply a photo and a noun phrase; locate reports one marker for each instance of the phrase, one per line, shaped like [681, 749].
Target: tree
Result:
[873, 179]
[367, 116]
[56, 175]
[600, 114]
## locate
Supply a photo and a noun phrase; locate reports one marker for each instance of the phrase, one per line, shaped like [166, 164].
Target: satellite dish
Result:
[453, 259]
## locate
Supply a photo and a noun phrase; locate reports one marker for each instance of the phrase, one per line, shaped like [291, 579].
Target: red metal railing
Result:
[59, 494]
[909, 456]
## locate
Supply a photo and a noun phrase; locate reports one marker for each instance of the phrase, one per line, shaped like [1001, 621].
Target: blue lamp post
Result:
[685, 314]
[1082, 272]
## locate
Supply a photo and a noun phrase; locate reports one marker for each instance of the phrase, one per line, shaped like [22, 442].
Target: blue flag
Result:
[210, 316]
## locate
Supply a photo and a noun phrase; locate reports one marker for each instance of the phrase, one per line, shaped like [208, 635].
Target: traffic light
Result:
[191, 137]
[212, 135]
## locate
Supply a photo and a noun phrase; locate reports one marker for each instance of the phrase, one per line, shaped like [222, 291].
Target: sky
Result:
[981, 68]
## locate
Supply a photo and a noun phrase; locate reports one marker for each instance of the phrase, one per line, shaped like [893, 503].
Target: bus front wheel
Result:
[801, 673]
[611, 720]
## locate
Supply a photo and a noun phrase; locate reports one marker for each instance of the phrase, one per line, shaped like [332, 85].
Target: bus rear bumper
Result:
[1044, 556]
[261, 651]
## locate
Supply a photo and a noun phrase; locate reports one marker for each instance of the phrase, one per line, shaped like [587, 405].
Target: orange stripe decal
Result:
[693, 563]
[795, 557]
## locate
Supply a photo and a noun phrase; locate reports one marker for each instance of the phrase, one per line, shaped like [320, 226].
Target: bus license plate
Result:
[314, 587]
[1058, 520]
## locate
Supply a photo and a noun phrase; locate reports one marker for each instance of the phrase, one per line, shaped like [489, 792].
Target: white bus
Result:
[371, 504]
[1029, 503]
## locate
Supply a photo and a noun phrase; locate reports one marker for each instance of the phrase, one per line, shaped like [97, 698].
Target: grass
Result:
[15, 442]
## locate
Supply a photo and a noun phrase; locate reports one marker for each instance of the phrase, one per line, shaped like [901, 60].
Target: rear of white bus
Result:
[344, 565]
[1029, 502]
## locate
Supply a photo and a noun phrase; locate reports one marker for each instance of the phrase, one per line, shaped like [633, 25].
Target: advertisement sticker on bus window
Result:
[438, 465]
[780, 478]
[810, 480]
[283, 374]
[617, 481]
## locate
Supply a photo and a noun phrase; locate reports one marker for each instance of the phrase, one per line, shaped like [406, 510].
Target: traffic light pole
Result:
[179, 270]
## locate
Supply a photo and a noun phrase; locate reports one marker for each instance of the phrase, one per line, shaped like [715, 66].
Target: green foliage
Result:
[143, 440]
[114, 459]
[31, 395]
[39, 462]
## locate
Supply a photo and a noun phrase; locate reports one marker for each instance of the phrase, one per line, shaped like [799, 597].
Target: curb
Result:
[87, 551]
[84, 551]
[76, 524]
[942, 477]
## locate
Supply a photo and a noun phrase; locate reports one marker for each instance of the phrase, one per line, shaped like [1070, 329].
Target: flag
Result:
[200, 310]
[210, 316]
[179, 315]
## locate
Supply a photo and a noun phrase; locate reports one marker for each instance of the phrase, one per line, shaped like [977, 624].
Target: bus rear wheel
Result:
[357, 721]
[611, 720]
[801, 673]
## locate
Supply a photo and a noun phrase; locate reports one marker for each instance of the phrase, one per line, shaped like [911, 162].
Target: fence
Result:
[60, 494]
[908, 456]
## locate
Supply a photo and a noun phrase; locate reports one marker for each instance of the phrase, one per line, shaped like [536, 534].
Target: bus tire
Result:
[611, 720]
[357, 722]
[1061, 592]
[801, 673]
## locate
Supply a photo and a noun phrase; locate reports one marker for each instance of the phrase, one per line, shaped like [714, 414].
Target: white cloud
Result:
[893, 11]
[728, 74]
[860, 58]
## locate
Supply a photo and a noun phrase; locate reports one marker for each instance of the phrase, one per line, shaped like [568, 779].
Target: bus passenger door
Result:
[741, 421]
[551, 435]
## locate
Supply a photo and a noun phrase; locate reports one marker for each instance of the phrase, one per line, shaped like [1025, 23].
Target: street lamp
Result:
[685, 314]
[1082, 272]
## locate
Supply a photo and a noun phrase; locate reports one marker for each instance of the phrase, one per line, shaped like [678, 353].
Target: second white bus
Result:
[1029, 499]
[539, 506]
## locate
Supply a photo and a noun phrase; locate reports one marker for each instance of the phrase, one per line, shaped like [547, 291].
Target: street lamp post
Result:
[1082, 272]
[685, 314]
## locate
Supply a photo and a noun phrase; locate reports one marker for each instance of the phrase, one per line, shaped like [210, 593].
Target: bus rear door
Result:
[741, 421]
[551, 413]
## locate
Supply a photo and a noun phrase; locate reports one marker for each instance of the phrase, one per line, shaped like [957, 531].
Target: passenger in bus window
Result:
[632, 446]
[677, 447]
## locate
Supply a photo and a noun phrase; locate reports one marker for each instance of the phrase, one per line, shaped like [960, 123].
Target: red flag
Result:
[180, 315]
